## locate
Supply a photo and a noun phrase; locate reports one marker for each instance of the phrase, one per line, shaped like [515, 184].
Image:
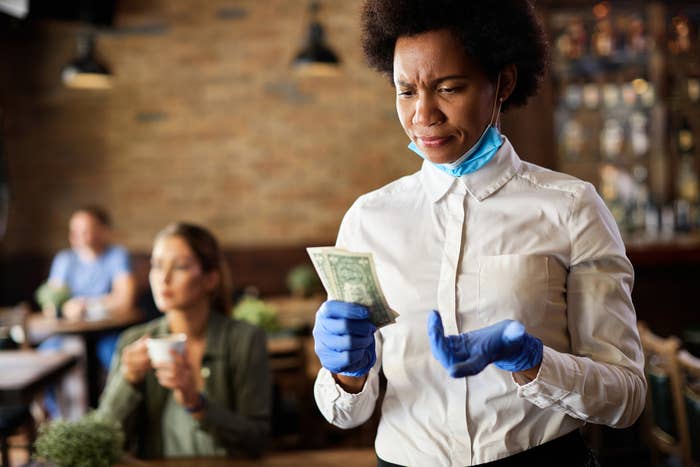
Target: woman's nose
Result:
[427, 113]
[163, 275]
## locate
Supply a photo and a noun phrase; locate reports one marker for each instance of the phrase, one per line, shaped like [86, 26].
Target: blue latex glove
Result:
[344, 338]
[505, 344]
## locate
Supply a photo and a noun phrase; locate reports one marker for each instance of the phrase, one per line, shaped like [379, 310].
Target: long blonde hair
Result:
[206, 248]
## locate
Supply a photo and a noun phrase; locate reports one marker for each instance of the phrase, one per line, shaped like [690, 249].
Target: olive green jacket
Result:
[237, 389]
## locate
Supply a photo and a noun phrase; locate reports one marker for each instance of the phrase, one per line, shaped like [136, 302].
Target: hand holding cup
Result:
[159, 349]
[135, 361]
[173, 371]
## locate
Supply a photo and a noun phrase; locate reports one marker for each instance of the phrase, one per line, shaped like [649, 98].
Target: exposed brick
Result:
[206, 122]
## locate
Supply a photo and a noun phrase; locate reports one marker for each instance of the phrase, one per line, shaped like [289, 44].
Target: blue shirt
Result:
[90, 278]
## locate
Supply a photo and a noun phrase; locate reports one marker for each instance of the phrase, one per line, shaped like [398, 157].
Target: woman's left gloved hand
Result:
[505, 344]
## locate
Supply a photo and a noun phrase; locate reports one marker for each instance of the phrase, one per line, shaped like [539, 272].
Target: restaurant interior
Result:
[262, 122]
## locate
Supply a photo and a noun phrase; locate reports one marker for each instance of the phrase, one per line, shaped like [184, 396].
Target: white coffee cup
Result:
[159, 347]
[95, 310]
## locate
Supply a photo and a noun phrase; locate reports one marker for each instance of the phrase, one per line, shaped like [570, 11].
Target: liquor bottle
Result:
[603, 39]
[612, 139]
[687, 179]
[693, 89]
[680, 41]
[639, 135]
[636, 36]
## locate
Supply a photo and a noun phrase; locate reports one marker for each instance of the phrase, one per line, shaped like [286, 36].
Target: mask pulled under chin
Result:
[475, 158]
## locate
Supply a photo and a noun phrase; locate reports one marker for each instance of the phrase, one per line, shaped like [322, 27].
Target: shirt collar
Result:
[480, 184]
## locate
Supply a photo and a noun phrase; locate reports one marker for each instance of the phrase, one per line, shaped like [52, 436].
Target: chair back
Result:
[13, 324]
[690, 374]
[665, 415]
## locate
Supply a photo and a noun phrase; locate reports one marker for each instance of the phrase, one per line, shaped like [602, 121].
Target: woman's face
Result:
[176, 276]
[443, 97]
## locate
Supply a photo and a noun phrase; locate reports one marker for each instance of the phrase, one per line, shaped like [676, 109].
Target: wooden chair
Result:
[690, 374]
[13, 321]
[11, 419]
[666, 425]
[292, 392]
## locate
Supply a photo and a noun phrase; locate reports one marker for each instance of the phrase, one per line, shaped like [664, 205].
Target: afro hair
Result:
[496, 34]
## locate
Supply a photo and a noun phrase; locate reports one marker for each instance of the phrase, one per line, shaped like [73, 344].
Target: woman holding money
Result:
[516, 326]
[210, 398]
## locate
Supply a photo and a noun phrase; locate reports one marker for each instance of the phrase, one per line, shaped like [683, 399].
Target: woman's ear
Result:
[509, 77]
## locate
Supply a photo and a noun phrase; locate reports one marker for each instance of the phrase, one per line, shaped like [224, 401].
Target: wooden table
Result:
[40, 327]
[321, 458]
[25, 372]
[295, 312]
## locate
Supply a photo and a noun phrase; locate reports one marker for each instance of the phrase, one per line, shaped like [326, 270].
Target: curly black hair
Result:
[496, 34]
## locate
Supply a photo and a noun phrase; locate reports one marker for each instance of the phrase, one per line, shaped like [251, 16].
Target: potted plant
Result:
[257, 312]
[91, 441]
[51, 298]
[302, 281]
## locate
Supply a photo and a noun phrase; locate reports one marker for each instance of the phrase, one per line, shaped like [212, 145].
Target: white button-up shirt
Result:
[511, 240]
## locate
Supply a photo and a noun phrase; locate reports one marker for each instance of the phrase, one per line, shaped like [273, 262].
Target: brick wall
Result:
[206, 122]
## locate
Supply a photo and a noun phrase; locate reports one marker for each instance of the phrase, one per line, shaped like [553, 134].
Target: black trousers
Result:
[568, 450]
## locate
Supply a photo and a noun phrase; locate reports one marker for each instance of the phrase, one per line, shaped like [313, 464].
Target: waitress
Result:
[516, 322]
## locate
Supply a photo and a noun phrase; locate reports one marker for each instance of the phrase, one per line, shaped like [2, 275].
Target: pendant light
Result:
[316, 58]
[85, 72]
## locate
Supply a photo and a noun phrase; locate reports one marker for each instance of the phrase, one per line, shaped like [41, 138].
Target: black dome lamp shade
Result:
[85, 72]
[316, 58]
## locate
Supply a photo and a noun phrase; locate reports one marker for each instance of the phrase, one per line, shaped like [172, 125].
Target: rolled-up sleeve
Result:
[341, 408]
[602, 379]
[119, 398]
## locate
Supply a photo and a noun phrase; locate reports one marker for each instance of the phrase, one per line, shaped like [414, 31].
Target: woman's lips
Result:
[433, 141]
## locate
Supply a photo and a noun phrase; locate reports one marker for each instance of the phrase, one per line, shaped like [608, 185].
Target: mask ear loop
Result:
[498, 100]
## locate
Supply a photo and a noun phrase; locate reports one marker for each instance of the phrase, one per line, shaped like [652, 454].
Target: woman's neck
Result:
[192, 321]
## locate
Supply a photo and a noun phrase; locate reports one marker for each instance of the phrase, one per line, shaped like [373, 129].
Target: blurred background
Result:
[214, 112]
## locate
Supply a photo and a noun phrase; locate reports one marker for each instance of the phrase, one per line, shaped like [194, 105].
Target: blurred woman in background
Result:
[214, 398]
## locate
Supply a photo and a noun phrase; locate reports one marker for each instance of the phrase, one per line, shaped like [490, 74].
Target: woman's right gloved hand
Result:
[344, 338]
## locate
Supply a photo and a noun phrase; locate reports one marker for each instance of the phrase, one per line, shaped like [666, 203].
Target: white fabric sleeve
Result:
[341, 408]
[602, 379]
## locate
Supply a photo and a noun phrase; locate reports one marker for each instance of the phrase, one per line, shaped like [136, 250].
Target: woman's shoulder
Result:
[238, 333]
[391, 192]
[551, 179]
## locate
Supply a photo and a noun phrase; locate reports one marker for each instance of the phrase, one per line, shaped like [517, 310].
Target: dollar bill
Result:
[351, 277]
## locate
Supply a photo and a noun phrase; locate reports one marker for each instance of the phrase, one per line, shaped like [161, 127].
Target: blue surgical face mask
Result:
[474, 159]
[480, 153]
